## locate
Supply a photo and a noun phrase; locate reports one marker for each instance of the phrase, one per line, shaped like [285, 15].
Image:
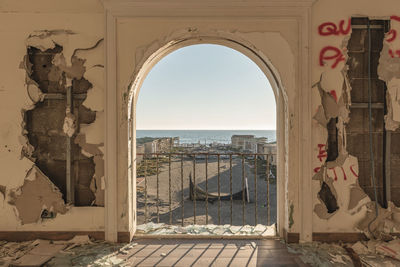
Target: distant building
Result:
[160, 145]
[150, 147]
[140, 151]
[270, 149]
[247, 143]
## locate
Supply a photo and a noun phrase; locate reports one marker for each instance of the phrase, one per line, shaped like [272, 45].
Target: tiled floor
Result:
[201, 252]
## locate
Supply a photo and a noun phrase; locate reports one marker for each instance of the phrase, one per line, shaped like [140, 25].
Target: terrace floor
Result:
[210, 252]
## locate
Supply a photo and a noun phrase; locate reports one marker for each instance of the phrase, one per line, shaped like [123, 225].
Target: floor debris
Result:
[378, 253]
[371, 253]
[391, 249]
[82, 251]
[321, 254]
[39, 255]
[10, 251]
[384, 225]
[78, 251]
[96, 253]
[210, 229]
[77, 240]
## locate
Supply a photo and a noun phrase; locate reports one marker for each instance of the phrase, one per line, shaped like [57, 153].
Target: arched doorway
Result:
[139, 33]
[261, 61]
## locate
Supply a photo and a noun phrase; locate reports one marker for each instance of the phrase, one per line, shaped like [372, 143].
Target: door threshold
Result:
[215, 237]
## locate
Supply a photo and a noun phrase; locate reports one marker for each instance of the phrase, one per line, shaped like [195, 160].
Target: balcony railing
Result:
[179, 188]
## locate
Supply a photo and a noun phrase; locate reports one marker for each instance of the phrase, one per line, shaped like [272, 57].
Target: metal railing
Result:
[147, 169]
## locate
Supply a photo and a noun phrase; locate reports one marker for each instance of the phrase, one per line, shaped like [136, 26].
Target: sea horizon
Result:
[205, 129]
[205, 136]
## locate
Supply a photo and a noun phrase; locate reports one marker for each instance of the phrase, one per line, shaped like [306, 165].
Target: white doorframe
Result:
[277, 9]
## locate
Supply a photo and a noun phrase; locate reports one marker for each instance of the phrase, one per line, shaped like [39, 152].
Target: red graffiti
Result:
[333, 169]
[395, 18]
[330, 28]
[333, 94]
[393, 37]
[334, 172]
[322, 152]
[336, 177]
[352, 171]
[392, 54]
[344, 174]
[336, 55]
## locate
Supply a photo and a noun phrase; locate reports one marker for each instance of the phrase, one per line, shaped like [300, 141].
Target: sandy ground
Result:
[187, 210]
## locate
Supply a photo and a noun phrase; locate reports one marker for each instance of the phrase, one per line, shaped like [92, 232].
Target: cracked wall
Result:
[37, 64]
[52, 122]
[340, 117]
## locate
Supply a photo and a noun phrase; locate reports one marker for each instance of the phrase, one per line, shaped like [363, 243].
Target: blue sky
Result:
[206, 87]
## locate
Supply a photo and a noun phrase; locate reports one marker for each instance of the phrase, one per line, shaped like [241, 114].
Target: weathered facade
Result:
[247, 143]
[67, 135]
[269, 149]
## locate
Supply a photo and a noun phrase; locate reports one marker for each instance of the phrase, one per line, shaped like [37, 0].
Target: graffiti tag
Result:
[330, 28]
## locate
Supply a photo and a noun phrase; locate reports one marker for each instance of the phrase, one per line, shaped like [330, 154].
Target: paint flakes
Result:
[37, 194]
[356, 195]
[69, 126]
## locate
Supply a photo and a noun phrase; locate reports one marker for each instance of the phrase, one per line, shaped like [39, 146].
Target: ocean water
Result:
[205, 136]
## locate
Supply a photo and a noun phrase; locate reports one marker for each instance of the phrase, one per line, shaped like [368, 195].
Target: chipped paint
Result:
[291, 211]
[36, 184]
[69, 126]
[339, 194]
[356, 209]
[20, 94]
[36, 195]
[389, 71]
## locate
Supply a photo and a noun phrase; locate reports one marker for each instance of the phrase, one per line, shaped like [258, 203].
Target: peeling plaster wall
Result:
[20, 179]
[331, 99]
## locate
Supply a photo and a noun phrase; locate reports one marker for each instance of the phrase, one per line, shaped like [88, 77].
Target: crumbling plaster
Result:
[19, 20]
[332, 75]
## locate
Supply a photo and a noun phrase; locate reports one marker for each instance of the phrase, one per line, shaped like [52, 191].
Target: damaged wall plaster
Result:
[389, 71]
[18, 21]
[335, 170]
[340, 195]
[14, 98]
[38, 194]
[28, 183]
[332, 99]
[54, 72]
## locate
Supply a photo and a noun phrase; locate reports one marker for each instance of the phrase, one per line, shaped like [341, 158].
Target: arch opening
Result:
[281, 137]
